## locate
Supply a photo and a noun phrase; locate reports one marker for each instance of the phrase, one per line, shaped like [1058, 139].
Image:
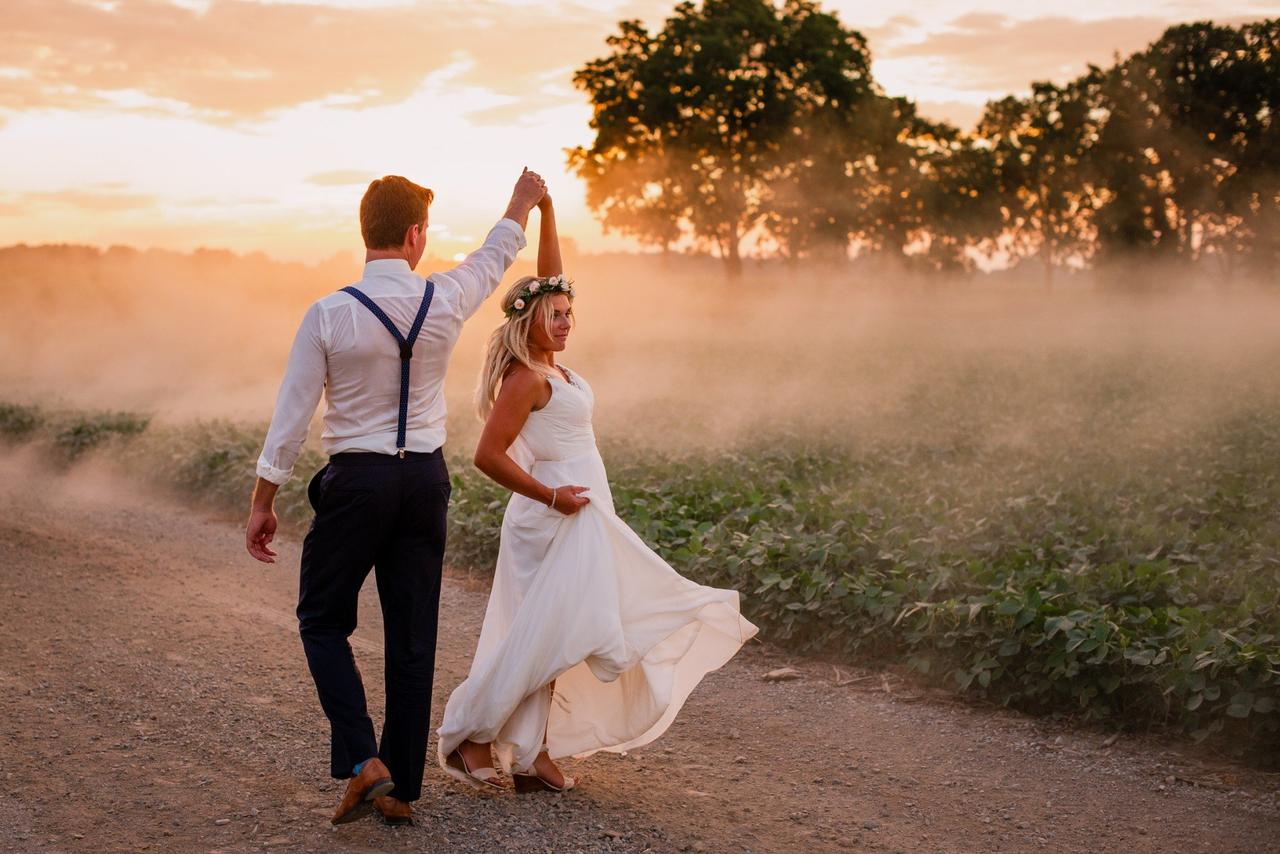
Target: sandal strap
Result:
[482, 774]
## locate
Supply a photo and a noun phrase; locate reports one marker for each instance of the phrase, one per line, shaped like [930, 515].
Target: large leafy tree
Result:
[727, 120]
[1223, 92]
[631, 182]
[961, 201]
[925, 191]
[1189, 145]
[1040, 144]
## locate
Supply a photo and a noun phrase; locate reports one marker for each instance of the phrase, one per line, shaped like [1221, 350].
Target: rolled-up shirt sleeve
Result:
[483, 269]
[296, 403]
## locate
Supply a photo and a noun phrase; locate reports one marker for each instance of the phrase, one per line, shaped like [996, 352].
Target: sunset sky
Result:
[255, 125]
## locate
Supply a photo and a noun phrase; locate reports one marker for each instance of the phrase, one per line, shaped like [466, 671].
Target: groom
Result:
[378, 351]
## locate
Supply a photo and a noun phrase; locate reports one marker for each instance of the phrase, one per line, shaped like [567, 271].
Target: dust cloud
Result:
[679, 358]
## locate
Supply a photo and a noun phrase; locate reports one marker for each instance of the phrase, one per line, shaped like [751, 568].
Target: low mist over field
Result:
[677, 356]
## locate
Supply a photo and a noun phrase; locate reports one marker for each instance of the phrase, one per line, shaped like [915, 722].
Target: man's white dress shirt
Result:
[342, 350]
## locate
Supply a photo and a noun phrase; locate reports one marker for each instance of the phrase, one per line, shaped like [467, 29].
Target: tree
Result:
[1039, 145]
[697, 124]
[1188, 148]
[1227, 83]
[925, 190]
[960, 200]
[631, 183]
[811, 206]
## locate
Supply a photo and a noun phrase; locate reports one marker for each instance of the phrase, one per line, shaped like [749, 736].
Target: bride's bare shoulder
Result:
[518, 373]
[523, 383]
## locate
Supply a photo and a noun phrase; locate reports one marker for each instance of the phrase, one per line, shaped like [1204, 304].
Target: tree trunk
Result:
[732, 257]
[1046, 261]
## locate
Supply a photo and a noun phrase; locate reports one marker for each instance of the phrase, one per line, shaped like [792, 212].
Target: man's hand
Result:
[530, 188]
[261, 530]
[261, 527]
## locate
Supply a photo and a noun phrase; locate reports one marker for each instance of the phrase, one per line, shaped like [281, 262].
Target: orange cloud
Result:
[87, 200]
[522, 110]
[241, 60]
[991, 52]
[341, 177]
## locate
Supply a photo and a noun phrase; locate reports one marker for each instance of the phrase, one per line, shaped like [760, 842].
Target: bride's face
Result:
[561, 323]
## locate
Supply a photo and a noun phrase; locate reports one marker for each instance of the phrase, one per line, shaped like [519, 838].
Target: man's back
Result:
[344, 350]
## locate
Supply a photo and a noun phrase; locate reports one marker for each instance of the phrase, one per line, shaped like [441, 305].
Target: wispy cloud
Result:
[992, 52]
[236, 60]
[91, 200]
[341, 177]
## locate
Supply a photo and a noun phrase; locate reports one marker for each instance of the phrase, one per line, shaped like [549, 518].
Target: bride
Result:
[590, 640]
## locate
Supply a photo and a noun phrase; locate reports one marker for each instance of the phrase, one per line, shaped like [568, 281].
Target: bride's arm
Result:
[549, 263]
[520, 392]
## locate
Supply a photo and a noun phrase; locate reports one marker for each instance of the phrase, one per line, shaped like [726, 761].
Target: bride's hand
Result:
[529, 191]
[544, 204]
[569, 499]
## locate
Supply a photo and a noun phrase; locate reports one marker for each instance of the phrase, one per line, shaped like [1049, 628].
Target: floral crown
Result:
[538, 287]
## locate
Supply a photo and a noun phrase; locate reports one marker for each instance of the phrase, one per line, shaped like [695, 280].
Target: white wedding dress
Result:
[583, 601]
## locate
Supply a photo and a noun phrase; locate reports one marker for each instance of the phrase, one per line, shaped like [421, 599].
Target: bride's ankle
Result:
[475, 747]
[544, 766]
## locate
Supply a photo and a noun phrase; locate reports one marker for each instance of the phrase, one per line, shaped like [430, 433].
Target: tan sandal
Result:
[455, 765]
[527, 783]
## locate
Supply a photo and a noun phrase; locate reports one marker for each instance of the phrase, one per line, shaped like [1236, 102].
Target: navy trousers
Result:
[380, 512]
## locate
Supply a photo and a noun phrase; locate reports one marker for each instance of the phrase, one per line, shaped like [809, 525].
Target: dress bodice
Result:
[562, 430]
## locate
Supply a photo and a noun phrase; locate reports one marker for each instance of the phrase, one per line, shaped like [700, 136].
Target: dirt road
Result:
[154, 697]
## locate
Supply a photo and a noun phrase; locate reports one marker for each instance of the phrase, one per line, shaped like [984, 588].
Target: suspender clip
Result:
[402, 453]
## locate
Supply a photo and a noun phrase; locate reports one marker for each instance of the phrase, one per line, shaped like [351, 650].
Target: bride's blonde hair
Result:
[509, 343]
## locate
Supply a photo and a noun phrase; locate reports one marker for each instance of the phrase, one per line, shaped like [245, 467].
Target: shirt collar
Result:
[386, 266]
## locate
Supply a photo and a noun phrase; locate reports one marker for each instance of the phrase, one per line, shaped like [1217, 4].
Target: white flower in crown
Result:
[533, 289]
[519, 304]
[556, 281]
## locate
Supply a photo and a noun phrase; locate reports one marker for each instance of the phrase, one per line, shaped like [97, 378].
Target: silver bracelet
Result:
[552, 502]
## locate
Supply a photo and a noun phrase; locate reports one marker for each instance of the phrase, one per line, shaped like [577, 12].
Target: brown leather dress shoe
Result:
[373, 781]
[394, 811]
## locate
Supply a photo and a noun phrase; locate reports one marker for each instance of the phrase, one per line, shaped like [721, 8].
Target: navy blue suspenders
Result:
[406, 349]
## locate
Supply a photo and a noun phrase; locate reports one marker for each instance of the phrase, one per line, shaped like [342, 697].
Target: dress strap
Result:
[406, 348]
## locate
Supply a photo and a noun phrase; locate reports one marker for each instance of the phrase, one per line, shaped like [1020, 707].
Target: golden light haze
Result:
[255, 125]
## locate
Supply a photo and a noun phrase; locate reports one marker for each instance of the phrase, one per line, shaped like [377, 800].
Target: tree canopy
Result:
[740, 121]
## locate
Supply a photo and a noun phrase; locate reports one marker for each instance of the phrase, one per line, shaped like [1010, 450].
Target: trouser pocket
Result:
[313, 488]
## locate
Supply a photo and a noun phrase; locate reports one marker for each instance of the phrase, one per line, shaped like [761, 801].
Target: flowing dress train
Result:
[583, 601]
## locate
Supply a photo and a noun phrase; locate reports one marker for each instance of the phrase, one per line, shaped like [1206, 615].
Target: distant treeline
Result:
[739, 122]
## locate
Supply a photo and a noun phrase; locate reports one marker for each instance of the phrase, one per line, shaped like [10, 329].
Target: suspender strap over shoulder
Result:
[406, 349]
